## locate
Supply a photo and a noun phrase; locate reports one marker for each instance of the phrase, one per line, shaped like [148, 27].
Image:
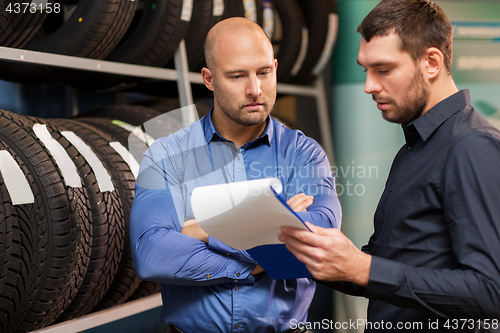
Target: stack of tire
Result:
[148, 32]
[66, 190]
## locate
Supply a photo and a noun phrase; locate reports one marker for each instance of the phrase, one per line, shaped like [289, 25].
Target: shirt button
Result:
[237, 288]
[237, 326]
[235, 281]
[209, 276]
[238, 158]
[238, 274]
[410, 147]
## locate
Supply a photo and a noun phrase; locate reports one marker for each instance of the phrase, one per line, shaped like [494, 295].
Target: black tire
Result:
[61, 228]
[81, 211]
[116, 31]
[267, 18]
[146, 288]
[109, 225]
[206, 13]
[119, 131]
[20, 254]
[17, 29]
[250, 9]
[152, 40]
[253, 10]
[156, 38]
[333, 28]
[135, 115]
[124, 285]
[104, 119]
[129, 126]
[321, 31]
[92, 31]
[120, 120]
[8, 21]
[202, 20]
[124, 280]
[132, 114]
[98, 199]
[236, 8]
[289, 43]
[259, 4]
[133, 138]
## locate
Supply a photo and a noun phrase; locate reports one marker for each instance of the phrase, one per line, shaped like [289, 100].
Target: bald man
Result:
[208, 286]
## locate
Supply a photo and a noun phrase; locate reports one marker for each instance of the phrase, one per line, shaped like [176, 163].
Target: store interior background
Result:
[364, 143]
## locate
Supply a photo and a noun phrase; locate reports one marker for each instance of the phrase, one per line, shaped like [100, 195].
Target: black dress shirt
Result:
[436, 244]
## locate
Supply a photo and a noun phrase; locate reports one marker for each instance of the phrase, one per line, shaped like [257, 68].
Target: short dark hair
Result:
[419, 23]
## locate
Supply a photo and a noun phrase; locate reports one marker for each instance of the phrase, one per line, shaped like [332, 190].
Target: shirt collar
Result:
[211, 132]
[426, 124]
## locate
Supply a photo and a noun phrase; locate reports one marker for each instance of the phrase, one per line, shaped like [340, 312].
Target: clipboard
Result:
[248, 216]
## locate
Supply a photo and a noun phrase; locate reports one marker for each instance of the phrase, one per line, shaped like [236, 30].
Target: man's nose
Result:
[253, 86]
[371, 85]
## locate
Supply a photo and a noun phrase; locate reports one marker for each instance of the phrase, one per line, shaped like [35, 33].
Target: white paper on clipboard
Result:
[244, 214]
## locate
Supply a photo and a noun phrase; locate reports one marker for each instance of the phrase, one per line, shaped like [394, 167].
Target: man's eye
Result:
[383, 72]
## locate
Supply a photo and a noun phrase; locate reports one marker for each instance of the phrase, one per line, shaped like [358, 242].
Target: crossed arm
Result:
[166, 252]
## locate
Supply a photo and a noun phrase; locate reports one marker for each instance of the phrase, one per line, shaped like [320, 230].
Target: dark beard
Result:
[412, 107]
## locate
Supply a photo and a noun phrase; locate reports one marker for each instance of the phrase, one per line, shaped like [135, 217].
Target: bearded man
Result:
[433, 261]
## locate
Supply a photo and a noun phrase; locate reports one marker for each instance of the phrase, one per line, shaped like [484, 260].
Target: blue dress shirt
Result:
[209, 287]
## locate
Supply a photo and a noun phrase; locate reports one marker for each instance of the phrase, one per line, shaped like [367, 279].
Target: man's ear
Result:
[433, 62]
[208, 78]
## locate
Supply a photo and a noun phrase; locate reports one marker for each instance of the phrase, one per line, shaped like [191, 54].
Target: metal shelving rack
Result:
[184, 80]
[181, 74]
[105, 316]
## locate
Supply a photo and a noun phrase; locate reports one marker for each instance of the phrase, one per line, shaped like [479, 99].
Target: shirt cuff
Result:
[384, 278]
[217, 245]
[241, 275]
